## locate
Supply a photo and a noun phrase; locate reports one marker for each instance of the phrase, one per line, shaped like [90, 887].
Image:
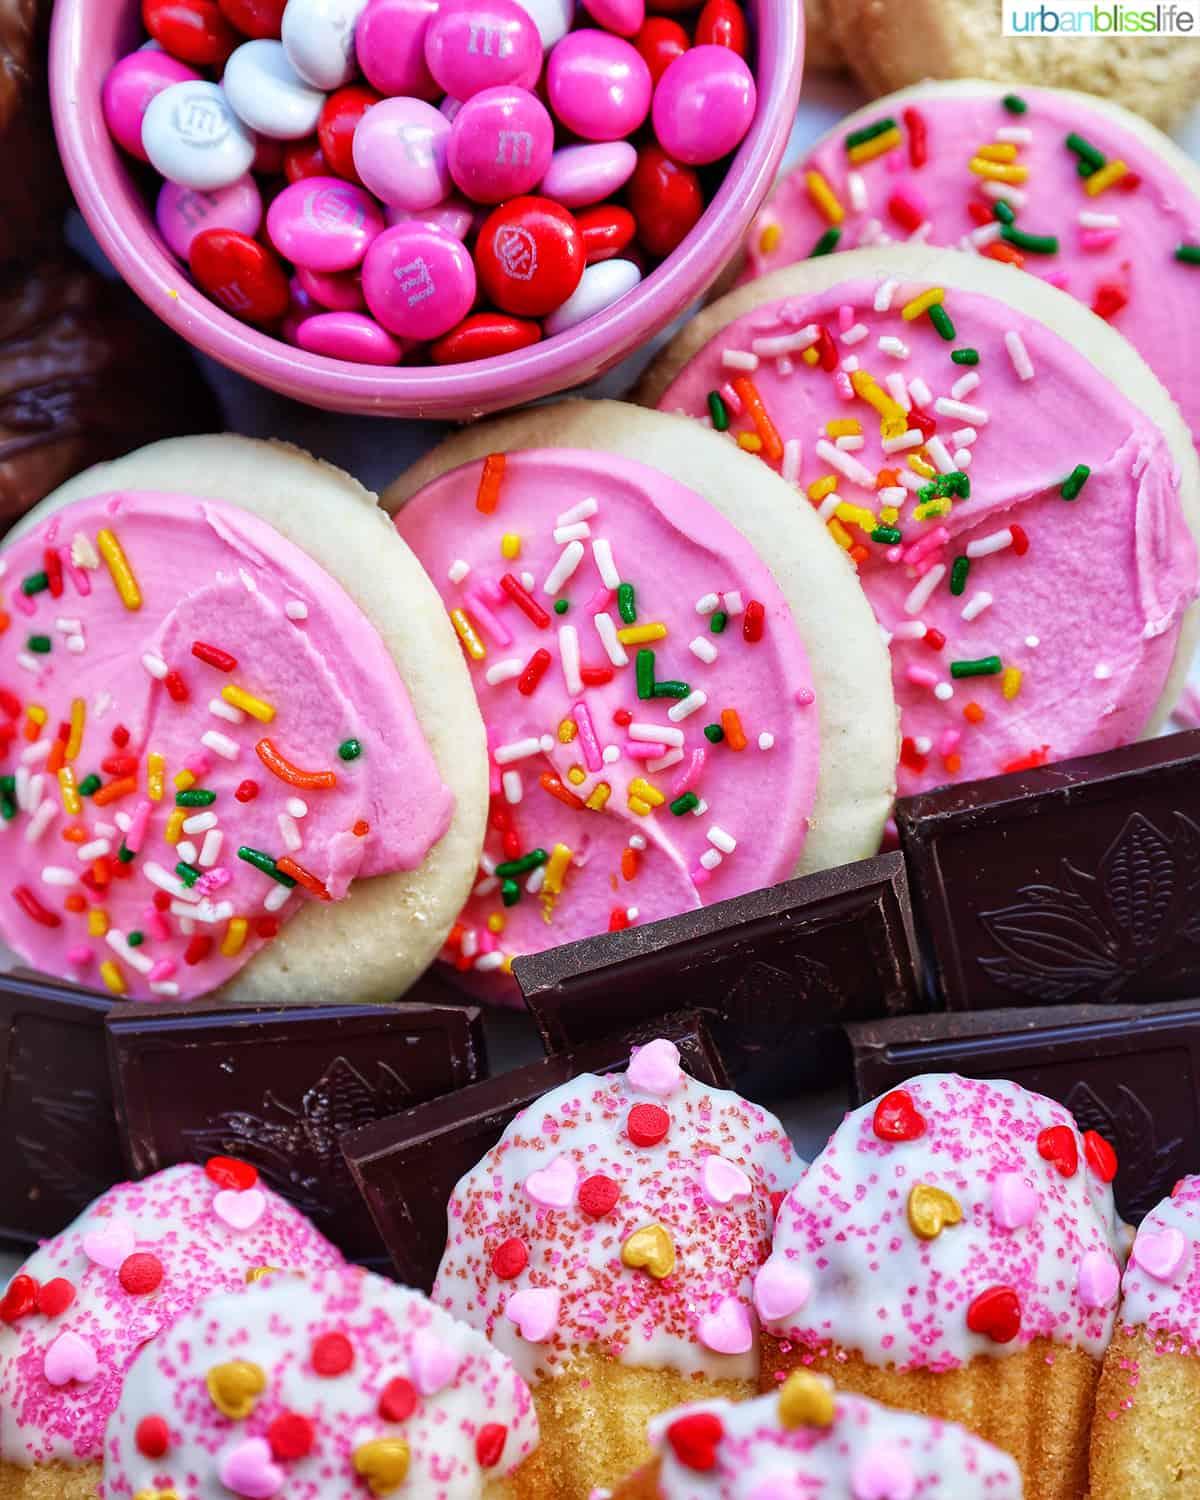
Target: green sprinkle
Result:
[266, 864]
[940, 319]
[195, 797]
[511, 868]
[1014, 104]
[34, 584]
[826, 245]
[350, 749]
[1085, 168]
[718, 411]
[125, 854]
[984, 666]
[8, 806]
[717, 621]
[1003, 211]
[965, 356]
[714, 734]
[1036, 244]
[561, 606]
[1074, 482]
[89, 786]
[1085, 151]
[643, 669]
[39, 643]
[888, 534]
[944, 486]
[958, 574]
[867, 133]
[626, 603]
[672, 688]
[1188, 254]
[685, 804]
[510, 892]
[136, 939]
[8, 785]
[189, 874]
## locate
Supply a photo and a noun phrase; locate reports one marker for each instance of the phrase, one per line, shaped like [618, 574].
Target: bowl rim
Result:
[93, 162]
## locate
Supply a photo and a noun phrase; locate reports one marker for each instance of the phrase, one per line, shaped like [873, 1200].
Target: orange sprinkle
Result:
[74, 902]
[361, 829]
[735, 735]
[747, 392]
[973, 713]
[58, 754]
[629, 863]
[100, 871]
[887, 479]
[953, 764]
[1002, 250]
[5, 621]
[551, 784]
[858, 553]
[487, 497]
[288, 866]
[455, 937]
[32, 729]
[75, 833]
[112, 790]
[293, 775]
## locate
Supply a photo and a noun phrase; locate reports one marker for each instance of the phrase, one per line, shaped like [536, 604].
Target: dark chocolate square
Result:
[1077, 882]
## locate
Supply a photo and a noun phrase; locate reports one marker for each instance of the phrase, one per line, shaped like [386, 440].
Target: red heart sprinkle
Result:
[20, 1299]
[229, 1172]
[1056, 1144]
[141, 1274]
[694, 1439]
[152, 1437]
[647, 1124]
[598, 1195]
[332, 1354]
[1100, 1155]
[897, 1117]
[489, 1444]
[291, 1435]
[510, 1259]
[398, 1400]
[1176, 1188]
[777, 1201]
[55, 1297]
[996, 1313]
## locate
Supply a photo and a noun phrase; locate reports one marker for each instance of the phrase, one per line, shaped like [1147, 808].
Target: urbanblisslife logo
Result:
[1178, 18]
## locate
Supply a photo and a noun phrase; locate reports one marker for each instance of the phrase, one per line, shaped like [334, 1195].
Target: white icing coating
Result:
[1160, 1290]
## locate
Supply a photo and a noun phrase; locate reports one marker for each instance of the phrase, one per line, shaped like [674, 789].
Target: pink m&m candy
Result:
[418, 280]
[338, 291]
[400, 153]
[500, 144]
[390, 41]
[625, 17]
[182, 212]
[587, 174]
[473, 45]
[324, 223]
[455, 216]
[704, 104]
[129, 88]
[349, 335]
[599, 85]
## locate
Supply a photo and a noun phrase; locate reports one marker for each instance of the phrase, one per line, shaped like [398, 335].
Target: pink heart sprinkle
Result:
[1160, 1254]
[70, 1358]
[432, 1364]
[247, 1469]
[111, 1244]
[722, 1181]
[776, 1487]
[554, 1186]
[729, 1330]
[780, 1289]
[1098, 1278]
[655, 1068]
[1014, 1201]
[883, 1473]
[535, 1312]
[240, 1210]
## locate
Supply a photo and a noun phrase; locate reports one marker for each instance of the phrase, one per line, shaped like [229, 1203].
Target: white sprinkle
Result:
[652, 732]
[76, 645]
[210, 850]
[885, 636]
[289, 832]
[574, 533]
[502, 671]
[536, 880]
[40, 821]
[913, 438]
[56, 875]
[986, 234]
[707, 604]
[1033, 642]
[873, 234]
[664, 762]
[787, 343]
[851, 442]
[920, 234]
[276, 898]
[898, 389]
[610, 755]
[739, 359]
[297, 807]
[893, 494]
[733, 602]
[921, 393]
[167, 988]
[943, 691]
[963, 437]
[703, 648]
[66, 626]
[897, 348]
[186, 851]
[200, 823]
[717, 836]
[83, 554]
[486, 863]
[964, 385]
[945, 407]
[784, 365]
[710, 859]
[119, 944]
[856, 188]
[607, 632]
[568, 650]
[458, 570]
[682, 707]
[486, 962]
[923, 744]
[637, 840]
[1013, 196]
[584, 511]
[827, 506]
[155, 666]
[854, 471]
[940, 454]
[295, 609]
[856, 334]
[700, 809]
[1020, 135]
[165, 881]
[1019, 355]
[23, 781]
[923, 591]
[884, 294]
[569, 559]
[976, 605]
[911, 481]
[995, 541]
[1092, 220]
[766, 741]
[514, 788]
[962, 458]
[793, 452]
[504, 755]
[93, 849]
[219, 744]
[486, 886]
[527, 581]
[222, 710]
[1102, 672]
[603, 558]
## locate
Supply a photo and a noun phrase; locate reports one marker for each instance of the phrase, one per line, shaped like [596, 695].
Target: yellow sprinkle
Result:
[869, 150]
[839, 533]
[260, 1273]
[998, 151]
[248, 703]
[824, 197]
[640, 635]
[70, 795]
[156, 768]
[932, 508]
[510, 545]
[556, 868]
[1010, 682]
[576, 775]
[174, 829]
[769, 239]
[118, 566]
[809, 356]
[844, 427]
[856, 515]
[819, 488]
[75, 738]
[109, 971]
[1104, 178]
[869, 389]
[468, 635]
[495, 923]
[921, 467]
[600, 795]
[889, 515]
[97, 922]
[185, 780]
[640, 787]
[636, 805]
[235, 936]
[37, 713]
[506, 966]
[567, 731]
[996, 171]
[749, 442]
[932, 298]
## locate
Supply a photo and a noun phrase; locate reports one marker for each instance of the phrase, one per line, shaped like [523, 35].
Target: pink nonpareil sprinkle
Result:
[599, 601]
[213, 880]
[841, 384]
[921, 676]
[153, 919]
[938, 537]
[495, 784]
[199, 764]
[1097, 239]
[845, 317]
[22, 602]
[163, 969]
[79, 578]
[731, 399]
[588, 743]
[80, 956]
[950, 741]
[487, 621]
[492, 591]
[700, 876]
[690, 774]
[805, 697]
[644, 749]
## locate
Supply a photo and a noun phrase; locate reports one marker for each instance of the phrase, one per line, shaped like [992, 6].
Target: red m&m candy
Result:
[255, 18]
[722, 23]
[666, 200]
[529, 256]
[339, 120]
[483, 335]
[607, 229]
[243, 276]
[304, 159]
[660, 41]
[195, 31]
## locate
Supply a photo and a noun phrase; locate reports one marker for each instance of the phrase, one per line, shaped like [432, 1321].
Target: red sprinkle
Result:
[618, 919]
[489, 1444]
[598, 1195]
[934, 639]
[923, 422]
[910, 757]
[510, 1259]
[1020, 539]
[52, 563]
[535, 670]
[267, 927]
[897, 1118]
[752, 621]
[1100, 1155]
[119, 765]
[291, 1435]
[980, 212]
[230, 1172]
[996, 1313]
[694, 1439]
[647, 1124]
[827, 354]
[1029, 762]
[905, 212]
[1109, 299]
[595, 676]
[198, 949]
[214, 656]
[622, 716]
[332, 1354]
[161, 900]
[777, 1201]
[120, 736]
[1056, 1144]
[176, 687]
[20, 1299]
[918, 142]
[1130, 182]
[153, 1437]
[55, 1297]
[141, 1274]
[34, 909]
[524, 600]
[398, 1400]
[246, 790]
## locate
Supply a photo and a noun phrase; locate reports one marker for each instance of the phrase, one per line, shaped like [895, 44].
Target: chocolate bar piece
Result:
[56, 1116]
[408, 1166]
[1074, 882]
[33, 191]
[277, 1086]
[764, 969]
[1130, 1072]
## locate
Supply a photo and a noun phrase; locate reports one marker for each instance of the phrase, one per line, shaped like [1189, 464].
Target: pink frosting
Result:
[743, 824]
[1160, 1290]
[1031, 1219]
[1135, 257]
[178, 1217]
[1082, 604]
[318, 676]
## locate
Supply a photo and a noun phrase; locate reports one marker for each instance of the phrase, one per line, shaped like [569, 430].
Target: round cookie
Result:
[683, 702]
[822, 51]
[889, 47]
[1023, 516]
[1113, 239]
[344, 740]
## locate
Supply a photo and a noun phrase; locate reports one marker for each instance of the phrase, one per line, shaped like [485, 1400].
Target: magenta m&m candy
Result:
[318, 36]
[268, 95]
[400, 153]
[194, 31]
[324, 223]
[192, 137]
[254, 18]
[601, 284]
[500, 144]
[182, 213]
[390, 41]
[418, 280]
[128, 89]
[484, 335]
[529, 255]
[338, 291]
[703, 105]
[239, 273]
[625, 17]
[351, 336]
[587, 174]
[472, 45]
[599, 85]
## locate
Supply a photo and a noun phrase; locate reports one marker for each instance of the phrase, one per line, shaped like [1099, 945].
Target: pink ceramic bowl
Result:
[90, 35]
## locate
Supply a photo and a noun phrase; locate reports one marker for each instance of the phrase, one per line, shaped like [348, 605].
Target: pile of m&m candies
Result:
[429, 180]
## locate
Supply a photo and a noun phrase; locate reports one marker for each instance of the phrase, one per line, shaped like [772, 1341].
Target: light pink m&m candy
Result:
[400, 153]
[182, 212]
[704, 104]
[390, 41]
[500, 144]
[324, 223]
[625, 17]
[587, 174]
[472, 45]
[455, 216]
[338, 291]
[129, 88]
[599, 86]
[349, 335]
[418, 280]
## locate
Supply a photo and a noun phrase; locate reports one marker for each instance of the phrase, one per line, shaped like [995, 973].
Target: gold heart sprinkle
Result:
[806, 1400]
[383, 1463]
[649, 1249]
[156, 1495]
[258, 1273]
[235, 1388]
[931, 1209]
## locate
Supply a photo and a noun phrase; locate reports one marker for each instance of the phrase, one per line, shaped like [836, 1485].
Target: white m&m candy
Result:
[268, 94]
[192, 136]
[600, 286]
[318, 37]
